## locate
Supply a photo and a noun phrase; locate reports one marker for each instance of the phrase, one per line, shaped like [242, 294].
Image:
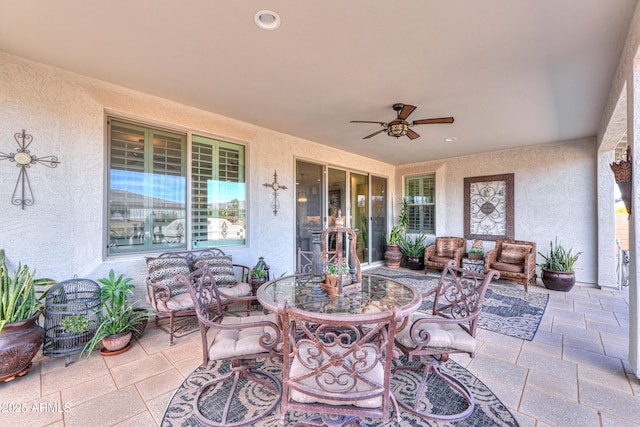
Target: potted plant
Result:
[332, 276]
[413, 249]
[20, 307]
[258, 276]
[119, 319]
[475, 254]
[73, 327]
[557, 269]
[393, 255]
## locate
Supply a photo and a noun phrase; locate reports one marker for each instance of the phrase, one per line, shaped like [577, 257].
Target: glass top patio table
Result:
[372, 295]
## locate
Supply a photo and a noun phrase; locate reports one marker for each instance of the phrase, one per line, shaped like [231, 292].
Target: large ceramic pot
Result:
[393, 256]
[415, 262]
[558, 280]
[19, 343]
[116, 342]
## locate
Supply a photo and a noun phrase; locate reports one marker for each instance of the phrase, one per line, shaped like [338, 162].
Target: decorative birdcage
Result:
[622, 172]
[72, 315]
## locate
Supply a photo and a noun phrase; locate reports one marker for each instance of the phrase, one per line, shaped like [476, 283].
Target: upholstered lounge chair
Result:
[445, 249]
[449, 328]
[514, 259]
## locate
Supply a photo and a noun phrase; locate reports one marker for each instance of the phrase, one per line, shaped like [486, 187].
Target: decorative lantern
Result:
[622, 173]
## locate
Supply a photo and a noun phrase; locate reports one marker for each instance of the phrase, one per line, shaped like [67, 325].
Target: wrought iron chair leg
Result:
[459, 387]
[171, 326]
[269, 381]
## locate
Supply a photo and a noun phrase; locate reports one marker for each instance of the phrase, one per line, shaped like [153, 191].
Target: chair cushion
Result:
[240, 342]
[511, 268]
[375, 375]
[242, 289]
[443, 335]
[513, 253]
[440, 259]
[446, 246]
[162, 270]
[221, 267]
[180, 302]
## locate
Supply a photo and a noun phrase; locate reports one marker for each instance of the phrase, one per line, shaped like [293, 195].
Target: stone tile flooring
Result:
[574, 373]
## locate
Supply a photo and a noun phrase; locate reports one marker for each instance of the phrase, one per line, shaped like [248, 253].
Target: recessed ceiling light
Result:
[267, 20]
[451, 139]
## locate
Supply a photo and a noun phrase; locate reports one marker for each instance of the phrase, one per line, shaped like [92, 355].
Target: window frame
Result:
[421, 203]
[187, 157]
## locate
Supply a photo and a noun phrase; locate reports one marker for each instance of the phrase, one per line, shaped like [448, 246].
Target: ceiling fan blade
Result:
[412, 135]
[406, 110]
[374, 134]
[366, 121]
[433, 121]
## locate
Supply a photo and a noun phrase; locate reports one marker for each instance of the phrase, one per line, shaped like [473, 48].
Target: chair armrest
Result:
[157, 292]
[244, 272]
[530, 264]
[265, 340]
[489, 258]
[457, 255]
[429, 251]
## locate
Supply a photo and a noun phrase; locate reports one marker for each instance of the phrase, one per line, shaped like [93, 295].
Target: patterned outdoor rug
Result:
[506, 310]
[489, 410]
[183, 326]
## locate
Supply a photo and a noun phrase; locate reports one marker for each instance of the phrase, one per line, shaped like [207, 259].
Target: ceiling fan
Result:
[399, 126]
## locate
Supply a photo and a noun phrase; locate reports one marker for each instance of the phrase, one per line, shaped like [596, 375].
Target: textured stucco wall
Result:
[554, 195]
[61, 235]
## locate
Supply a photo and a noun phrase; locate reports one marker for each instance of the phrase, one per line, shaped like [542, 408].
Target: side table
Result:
[476, 265]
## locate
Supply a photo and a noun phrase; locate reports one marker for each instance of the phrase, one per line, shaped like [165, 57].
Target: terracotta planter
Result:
[19, 343]
[393, 256]
[117, 342]
[558, 280]
[415, 262]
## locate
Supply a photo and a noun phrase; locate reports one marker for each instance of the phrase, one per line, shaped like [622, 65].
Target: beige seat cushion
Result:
[443, 335]
[375, 375]
[239, 342]
[511, 268]
[513, 253]
[180, 302]
[440, 259]
[242, 289]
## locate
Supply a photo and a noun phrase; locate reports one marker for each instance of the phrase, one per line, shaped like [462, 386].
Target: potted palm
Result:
[413, 249]
[20, 307]
[119, 320]
[557, 269]
[393, 255]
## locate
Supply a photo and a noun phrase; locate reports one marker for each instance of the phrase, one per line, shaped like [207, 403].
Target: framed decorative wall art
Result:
[488, 207]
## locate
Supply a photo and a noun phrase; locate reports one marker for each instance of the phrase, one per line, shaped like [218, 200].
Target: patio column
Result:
[633, 129]
[607, 277]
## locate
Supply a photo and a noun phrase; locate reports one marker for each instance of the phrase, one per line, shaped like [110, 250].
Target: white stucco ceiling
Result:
[512, 73]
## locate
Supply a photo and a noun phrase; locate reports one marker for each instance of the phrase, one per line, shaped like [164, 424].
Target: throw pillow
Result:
[221, 268]
[445, 247]
[512, 253]
[162, 270]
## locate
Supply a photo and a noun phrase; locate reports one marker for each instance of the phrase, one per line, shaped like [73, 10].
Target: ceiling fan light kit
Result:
[399, 126]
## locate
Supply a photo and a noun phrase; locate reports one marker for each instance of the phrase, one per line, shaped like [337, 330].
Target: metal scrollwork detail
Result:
[22, 192]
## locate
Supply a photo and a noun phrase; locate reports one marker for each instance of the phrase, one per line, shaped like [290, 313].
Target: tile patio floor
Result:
[574, 373]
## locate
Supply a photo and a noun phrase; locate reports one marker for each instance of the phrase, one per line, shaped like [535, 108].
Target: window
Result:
[420, 194]
[147, 190]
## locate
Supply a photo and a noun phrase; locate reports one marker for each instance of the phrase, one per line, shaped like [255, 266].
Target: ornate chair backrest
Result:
[204, 292]
[460, 294]
[332, 364]
[343, 236]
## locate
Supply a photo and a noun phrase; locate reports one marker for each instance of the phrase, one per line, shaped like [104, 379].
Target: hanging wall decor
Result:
[275, 204]
[24, 159]
[488, 207]
[622, 173]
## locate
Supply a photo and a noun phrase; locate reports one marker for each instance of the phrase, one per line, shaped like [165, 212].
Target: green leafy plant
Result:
[476, 251]
[400, 229]
[118, 315]
[413, 247]
[19, 299]
[258, 272]
[558, 258]
[332, 268]
[394, 236]
[75, 324]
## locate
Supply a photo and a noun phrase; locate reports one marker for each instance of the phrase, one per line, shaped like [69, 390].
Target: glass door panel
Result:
[309, 203]
[359, 218]
[378, 229]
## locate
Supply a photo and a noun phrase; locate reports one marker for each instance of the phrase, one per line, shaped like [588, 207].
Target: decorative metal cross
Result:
[275, 204]
[24, 159]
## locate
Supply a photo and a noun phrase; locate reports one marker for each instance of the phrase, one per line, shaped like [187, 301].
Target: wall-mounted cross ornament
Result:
[275, 204]
[24, 159]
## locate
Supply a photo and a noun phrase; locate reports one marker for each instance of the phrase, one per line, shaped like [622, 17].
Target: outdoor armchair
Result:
[515, 260]
[445, 249]
[449, 328]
